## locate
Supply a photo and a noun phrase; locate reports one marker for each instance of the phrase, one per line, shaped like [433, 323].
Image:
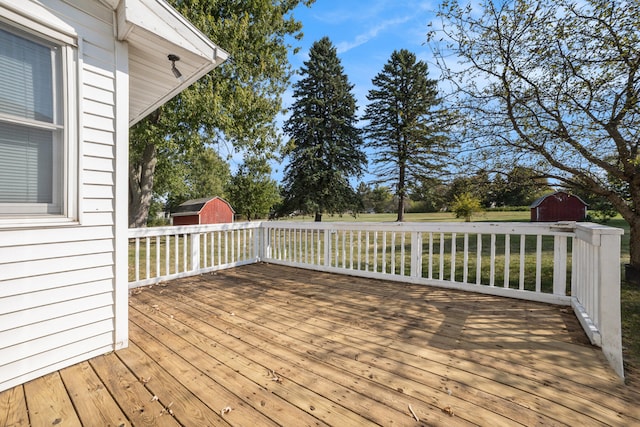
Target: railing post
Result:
[327, 248]
[260, 242]
[560, 265]
[195, 252]
[609, 290]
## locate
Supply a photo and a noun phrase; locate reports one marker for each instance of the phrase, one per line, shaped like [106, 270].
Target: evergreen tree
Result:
[404, 130]
[325, 145]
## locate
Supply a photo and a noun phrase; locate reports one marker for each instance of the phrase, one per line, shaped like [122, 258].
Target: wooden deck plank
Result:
[330, 344]
[13, 408]
[178, 401]
[92, 401]
[588, 361]
[138, 404]
[344, 351]
[338, 372]
[293, 389]
[250, 381]
[48, 402]
[600, 412]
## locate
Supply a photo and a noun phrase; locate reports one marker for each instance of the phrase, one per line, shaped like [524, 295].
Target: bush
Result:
[465, 205]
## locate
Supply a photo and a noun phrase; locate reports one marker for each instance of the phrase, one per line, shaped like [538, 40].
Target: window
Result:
[32, 125]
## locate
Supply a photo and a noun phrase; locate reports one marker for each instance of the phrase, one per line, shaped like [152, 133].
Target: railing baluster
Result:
[492, 266]
[507, 259]
[430, 273]
[137, 260]
[453, 257]
[465, 261]
[538, 262]
[478, 259]
[441, 266]
[522, 262]
[147, 257]
[384, 252]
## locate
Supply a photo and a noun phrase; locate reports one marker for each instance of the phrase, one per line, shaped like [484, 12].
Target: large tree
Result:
[252, 192]
[236, 104]
[552, 84]
[405, 127]
[325, 146]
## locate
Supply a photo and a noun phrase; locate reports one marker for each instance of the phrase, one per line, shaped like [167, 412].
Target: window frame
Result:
[66, 144]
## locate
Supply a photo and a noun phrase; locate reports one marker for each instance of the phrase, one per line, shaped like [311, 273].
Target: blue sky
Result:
[365, 33]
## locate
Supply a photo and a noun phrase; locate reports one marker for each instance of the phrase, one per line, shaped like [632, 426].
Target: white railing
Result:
[575, 264]
[165, 253]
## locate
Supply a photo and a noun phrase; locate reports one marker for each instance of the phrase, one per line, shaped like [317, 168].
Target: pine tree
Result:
[405, 129]
[325, 143]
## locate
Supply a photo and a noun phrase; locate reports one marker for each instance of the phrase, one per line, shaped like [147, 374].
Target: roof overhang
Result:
[154, 30]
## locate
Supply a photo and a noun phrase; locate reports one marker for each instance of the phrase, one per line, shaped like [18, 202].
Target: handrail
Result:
[565, 263]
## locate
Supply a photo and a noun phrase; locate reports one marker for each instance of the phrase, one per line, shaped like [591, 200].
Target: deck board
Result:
[283, 346]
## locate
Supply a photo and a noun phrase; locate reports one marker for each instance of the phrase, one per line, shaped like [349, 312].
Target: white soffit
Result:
[153, 30]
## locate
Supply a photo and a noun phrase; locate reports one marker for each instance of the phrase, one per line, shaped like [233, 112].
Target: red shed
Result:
[559, 206]
[208, 210]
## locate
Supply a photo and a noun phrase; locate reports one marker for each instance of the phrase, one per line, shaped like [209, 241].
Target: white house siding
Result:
[58, 295]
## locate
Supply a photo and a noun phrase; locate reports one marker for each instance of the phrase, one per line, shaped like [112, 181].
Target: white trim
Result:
[121, 215]
[36, 18]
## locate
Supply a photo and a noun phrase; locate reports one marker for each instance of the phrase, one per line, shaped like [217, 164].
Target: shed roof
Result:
[539, 200]
[193, 207]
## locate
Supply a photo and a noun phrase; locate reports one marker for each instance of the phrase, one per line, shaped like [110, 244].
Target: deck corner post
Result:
[609, 293]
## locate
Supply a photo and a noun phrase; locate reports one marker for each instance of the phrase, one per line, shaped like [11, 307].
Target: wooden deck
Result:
[268, 345]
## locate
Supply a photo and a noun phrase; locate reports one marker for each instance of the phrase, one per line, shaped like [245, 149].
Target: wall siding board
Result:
[27, 285]
[97, 164]
[23, 370]
[104, 151]
[56, 251]
[97, 80]
[97, 122]
[52, 296]
[98, 94]
[99, 191]
[98, 136]
[98, 177]
[97, 218]
[55, 265]
[51, 342]
[53, 326]
[39, 236]
[97, 205]
[52, 311]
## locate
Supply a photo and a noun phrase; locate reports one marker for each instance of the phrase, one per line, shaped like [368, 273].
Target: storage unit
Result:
[559, 206]
[208, 210]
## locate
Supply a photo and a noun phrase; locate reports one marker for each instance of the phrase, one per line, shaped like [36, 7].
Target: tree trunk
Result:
[634, 243]
[141, 187]
[400, 208]
[318, 217]
[401, 191]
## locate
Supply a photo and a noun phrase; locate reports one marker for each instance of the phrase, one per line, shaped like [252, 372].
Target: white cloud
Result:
[363, 38]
